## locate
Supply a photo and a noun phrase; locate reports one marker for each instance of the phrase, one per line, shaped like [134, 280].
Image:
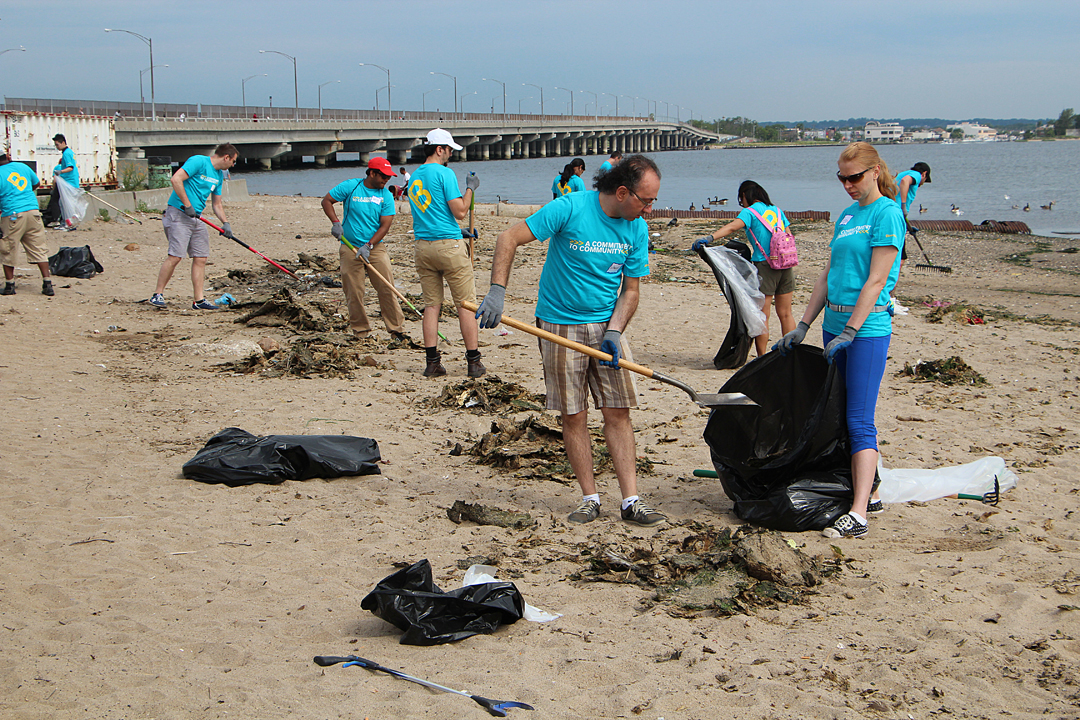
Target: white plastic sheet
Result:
[974, 478]
[743, 278]
[73, 202]
[485, 573]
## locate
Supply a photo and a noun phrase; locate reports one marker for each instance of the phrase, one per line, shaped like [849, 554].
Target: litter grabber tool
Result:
[390, 285]
[282, 268]
[991, 498]
[944, 269]
[472, 227]
[497, 708]
[103, 202]
[708, 400]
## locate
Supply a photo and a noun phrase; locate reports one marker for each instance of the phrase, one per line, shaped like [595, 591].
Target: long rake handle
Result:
[104, 202]
[244, 244]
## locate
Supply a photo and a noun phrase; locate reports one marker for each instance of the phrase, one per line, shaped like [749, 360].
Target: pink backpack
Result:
[782, 253]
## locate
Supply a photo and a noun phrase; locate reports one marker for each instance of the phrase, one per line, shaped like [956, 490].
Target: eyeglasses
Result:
[642, 200]
[853, 178]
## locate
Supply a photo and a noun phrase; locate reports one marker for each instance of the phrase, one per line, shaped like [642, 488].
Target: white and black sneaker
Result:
[875, 507]
[586, 511]
[845, 526]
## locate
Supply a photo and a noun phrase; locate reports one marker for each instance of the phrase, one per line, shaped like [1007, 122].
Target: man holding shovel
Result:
[198, 179]
[588, 293]
[368, 209]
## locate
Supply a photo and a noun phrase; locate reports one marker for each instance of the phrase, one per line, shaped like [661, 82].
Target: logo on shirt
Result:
[420, 197]
[857, 230]
[212, 182]
[18, 181]
[608, 248]
[367, 199]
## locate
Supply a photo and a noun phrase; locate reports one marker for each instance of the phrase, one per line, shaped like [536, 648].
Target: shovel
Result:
[706, 400]
[494, 707]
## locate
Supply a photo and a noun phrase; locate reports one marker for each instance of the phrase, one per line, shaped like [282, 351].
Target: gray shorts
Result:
[775, 282]
[187, 236]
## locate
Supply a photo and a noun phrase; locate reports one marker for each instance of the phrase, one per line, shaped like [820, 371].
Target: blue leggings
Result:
[862, 365]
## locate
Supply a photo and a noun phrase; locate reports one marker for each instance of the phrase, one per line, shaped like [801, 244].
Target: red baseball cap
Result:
[382, 165]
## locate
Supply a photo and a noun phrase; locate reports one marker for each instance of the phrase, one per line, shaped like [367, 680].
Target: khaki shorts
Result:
[567, 372]
[775, 282]
[25, 227]
[187, 236]
[438, 260]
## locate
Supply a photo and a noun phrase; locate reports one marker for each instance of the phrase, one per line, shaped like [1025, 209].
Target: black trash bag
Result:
[76, 262]
[785, 464]
[236, 457]
[411, 601]
[736, 345]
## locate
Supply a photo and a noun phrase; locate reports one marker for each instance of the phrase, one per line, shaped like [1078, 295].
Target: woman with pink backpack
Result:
[773, 253]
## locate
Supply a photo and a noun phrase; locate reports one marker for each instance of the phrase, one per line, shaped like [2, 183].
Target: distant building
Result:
[815, 134]
[922, 136]
[883, 132]
[974, 132]
[789, 134]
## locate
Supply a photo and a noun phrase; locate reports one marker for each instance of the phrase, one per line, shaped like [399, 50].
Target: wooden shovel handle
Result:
[544, 334]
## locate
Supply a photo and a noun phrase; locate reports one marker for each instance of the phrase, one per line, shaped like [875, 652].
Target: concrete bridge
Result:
[277, 142]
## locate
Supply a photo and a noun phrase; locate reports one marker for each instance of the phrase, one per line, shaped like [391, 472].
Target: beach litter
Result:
[961, 312]
[486, 395]
[462, 511]
[326, 355]
[950, 371]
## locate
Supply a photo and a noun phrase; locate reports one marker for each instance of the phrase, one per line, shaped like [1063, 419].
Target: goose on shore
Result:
[1048, 207]
[921, 209]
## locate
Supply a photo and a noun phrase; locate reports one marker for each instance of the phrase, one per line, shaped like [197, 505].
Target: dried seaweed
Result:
[951, 371]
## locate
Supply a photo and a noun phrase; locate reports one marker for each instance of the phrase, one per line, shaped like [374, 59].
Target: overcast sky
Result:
[766, 60]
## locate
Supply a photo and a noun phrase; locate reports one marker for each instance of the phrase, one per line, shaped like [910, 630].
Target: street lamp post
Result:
[296, 86]
[667, 110]
[320, 94]
[571, 100]
[455, 89]
[596, 103]
[389, 105]
[634, 99]
[541, 98]
[150, 43]
[18, 49]
[504, 95]
[423, 98]
[616, 103]
[519, 103]
[387, 89]
[678, 113]
[647, 101]
[474, 92]
[142, 100]
[243, 93]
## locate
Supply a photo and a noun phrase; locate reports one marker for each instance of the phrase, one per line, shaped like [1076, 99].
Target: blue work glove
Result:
[610, 345]
[839, 342]
[701, 243]
[792, 339]
[491, 307]
[226, 230]
[190, 211]
[364, 252]
[336, 231]
[472, 181]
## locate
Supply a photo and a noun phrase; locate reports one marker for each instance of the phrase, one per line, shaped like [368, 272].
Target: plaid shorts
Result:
[568, 372]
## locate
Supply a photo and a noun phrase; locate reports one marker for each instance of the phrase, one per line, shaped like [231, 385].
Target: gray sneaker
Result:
[587, 511]
[641, 514]
[157, 300]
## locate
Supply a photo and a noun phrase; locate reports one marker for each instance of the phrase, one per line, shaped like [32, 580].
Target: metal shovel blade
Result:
[705, 400]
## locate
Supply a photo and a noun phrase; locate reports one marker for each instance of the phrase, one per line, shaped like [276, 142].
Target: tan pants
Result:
[353, 274]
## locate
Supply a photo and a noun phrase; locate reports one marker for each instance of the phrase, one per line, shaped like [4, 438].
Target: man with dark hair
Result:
[368, 210]
[611, 162]
[198, 179]
[69, 172]
[437, 205]
[588, 293]
[20, 222]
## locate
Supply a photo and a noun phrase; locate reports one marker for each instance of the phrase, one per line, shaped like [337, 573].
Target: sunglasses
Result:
[853, 178]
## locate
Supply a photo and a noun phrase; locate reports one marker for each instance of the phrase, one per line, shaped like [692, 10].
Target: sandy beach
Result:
[130, 592]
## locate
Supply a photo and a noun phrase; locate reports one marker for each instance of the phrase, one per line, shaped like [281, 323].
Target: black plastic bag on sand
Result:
[411, 601]
[236, 457]
[76, 262]
[736, 345]
[785, 464]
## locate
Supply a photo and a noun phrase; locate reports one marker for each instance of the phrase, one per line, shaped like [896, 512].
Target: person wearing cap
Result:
[69, 172]
[20, 221]
[909, 183]
[368, 211]
[437, 205]
[200, 178]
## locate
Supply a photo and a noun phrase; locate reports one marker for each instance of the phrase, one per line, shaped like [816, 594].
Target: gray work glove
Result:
[610, 345]
[364, 252]
[792, 339]
[839, 342]
[226, 230]
[472, 181]
[336, 231]
[190, 211]
[491, 308]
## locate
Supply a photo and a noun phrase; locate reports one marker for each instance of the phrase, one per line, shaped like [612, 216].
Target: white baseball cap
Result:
[438, 136]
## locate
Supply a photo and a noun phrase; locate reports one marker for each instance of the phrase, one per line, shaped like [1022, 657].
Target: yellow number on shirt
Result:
[17, 180]
[420, 196]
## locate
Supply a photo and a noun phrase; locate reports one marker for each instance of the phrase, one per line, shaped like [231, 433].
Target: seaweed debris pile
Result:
[950, 371]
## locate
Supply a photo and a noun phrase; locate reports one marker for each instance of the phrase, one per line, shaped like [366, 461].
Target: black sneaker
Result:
[641, 514]
[876, 507]
[47, 288]
[845, 526]
[587, 511]
[203, 304]
[9, 289]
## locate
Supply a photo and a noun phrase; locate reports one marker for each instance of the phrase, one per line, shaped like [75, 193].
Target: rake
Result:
[991, 498]
[944, 269]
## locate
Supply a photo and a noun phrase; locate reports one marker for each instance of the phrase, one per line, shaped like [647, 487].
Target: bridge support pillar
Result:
[397, 157]
[265, 163]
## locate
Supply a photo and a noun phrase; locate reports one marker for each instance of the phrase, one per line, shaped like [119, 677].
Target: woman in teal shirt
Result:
[569, 180]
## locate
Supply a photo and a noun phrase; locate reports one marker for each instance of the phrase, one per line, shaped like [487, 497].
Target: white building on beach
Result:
[883, 132]
[974, 132]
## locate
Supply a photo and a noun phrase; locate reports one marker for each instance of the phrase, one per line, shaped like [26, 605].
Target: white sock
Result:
[857, 516]
[627, 502]
[595, 497]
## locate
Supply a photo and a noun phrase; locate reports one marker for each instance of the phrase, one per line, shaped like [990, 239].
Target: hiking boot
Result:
[585, 512]
[203, 304]
[434, 368]
[845, 526]
[876, 507]
[157, 300]
[9, 289]
[476, 368]
[47, 288]
[642, 515]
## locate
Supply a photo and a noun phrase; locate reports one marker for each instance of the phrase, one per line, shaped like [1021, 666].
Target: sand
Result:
[131, 592]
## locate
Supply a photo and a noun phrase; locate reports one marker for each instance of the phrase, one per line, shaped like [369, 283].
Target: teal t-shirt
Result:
[587, 258]
[203, 181]
[605, 166]
[761, 233]
[917, 180]
[573, 185]
[67, 159]
[362, 209]
[858, 231]
[431, 188]
[17, 194]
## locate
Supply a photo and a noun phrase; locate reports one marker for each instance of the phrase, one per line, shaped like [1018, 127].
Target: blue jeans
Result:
[862, 365]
